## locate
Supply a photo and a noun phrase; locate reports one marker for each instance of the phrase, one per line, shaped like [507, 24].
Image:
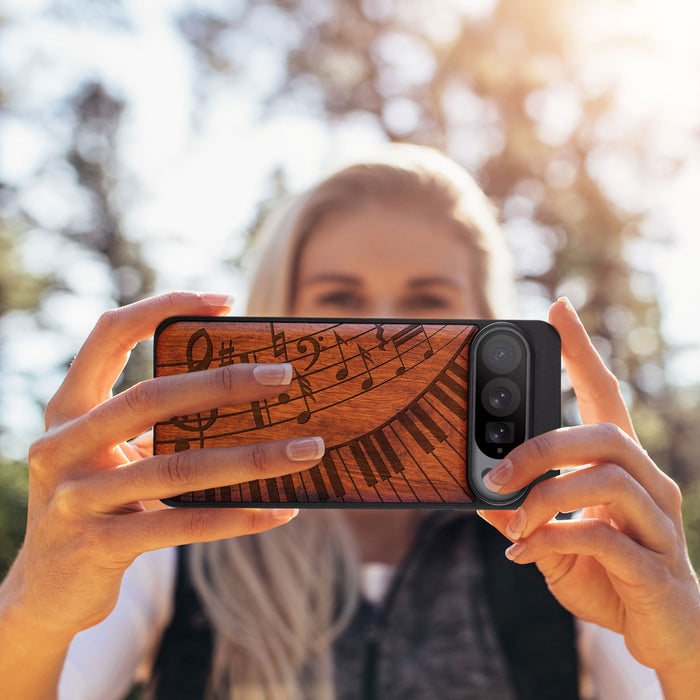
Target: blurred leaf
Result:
[14, 485]
[19, 290]
[691, 521]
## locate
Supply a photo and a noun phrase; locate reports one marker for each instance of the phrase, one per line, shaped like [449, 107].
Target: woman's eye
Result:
[426, 302]
[341, 300]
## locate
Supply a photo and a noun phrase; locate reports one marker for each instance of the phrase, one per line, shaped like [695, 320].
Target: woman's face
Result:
[385, 261]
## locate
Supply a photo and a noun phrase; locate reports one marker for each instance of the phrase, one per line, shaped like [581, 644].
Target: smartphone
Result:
[413, 413]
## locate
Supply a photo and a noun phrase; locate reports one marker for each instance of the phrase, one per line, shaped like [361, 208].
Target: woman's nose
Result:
[382, 308]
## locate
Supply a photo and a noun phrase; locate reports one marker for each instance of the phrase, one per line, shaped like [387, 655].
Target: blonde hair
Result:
[277, 600]
[404, 175]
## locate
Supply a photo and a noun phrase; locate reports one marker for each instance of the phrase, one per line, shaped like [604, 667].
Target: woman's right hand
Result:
[88, 513]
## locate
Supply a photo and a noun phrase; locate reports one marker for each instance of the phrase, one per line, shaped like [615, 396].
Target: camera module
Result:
[500, 390]
[504, 360]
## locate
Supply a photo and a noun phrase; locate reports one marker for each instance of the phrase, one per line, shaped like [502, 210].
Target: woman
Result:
[410, 237]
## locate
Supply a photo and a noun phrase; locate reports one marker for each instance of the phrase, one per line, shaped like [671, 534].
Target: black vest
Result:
[535, 635]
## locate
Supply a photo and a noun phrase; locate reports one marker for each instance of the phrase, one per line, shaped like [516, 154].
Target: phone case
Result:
[390, 398]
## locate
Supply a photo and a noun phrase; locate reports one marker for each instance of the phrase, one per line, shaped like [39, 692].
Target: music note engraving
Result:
[306, 393]
[279, 348]
[342, 373]
[366, 357]
[279, 343]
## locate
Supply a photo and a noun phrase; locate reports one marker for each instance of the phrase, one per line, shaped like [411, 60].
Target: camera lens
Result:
[500, 396]
[502, 353]
[499, 432]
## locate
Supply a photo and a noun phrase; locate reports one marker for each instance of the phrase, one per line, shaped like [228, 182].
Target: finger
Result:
[596, 388]
[138, 448]
[141, 532]
[103, 355]
[614, 550]
[583, 444]
[143, 444]
[131, 452]
[608, 486]
[141, 406]
[169, 475]
[497, 518]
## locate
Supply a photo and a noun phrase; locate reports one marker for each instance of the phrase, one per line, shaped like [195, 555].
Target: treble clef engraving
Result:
[199, 423]
[194, 364]
[196, 424]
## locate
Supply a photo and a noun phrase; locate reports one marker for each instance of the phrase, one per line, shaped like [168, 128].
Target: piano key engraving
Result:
[374, 457]
[426, 419]
[332, 473]
[319, 484]
[389, 399]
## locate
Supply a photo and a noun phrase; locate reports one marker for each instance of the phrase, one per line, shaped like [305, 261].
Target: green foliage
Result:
[691, 521]
[14, 484]
[19, 291]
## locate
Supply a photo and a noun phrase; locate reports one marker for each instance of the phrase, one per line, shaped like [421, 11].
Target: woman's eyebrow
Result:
[333, 277]
[432, 281]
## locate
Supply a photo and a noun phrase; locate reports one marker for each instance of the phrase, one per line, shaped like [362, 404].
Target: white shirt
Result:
[104, 661]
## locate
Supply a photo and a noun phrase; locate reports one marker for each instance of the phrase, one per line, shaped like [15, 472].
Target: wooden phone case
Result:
[389, 397]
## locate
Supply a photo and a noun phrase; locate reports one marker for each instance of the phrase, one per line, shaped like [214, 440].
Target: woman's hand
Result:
[623, 564]
[91, 495]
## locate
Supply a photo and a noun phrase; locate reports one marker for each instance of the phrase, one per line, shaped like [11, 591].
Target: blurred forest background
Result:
[579, 119]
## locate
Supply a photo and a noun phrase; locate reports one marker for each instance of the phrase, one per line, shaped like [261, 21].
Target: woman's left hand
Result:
[623, 564]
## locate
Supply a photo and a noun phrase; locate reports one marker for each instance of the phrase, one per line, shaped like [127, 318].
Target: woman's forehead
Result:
[382, 234]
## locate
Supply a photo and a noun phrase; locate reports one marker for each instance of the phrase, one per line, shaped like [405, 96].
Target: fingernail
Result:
[285, 513]
[499, 476]
[515, 550]
[218, 299]
[303, 449]
[569, 306]
[516, 525]
[273, 375]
